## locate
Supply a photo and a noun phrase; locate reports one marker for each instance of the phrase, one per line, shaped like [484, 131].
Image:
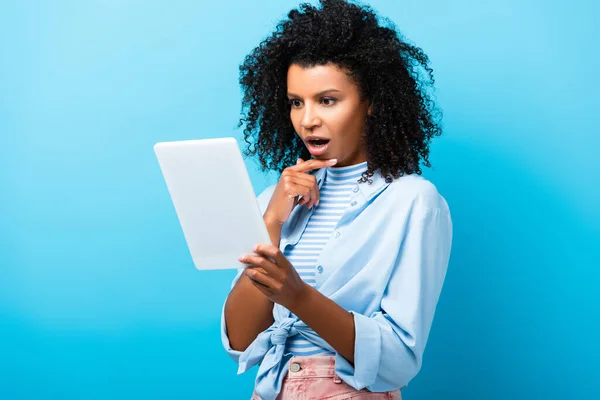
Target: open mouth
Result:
[317, 147]
[317, 143]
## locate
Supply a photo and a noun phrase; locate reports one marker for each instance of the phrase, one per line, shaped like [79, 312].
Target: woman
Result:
[341, 303]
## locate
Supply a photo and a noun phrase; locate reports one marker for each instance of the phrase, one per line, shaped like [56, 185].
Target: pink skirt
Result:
[314, 378]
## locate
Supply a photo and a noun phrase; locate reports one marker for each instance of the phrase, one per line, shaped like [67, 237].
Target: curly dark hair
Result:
[393, 75]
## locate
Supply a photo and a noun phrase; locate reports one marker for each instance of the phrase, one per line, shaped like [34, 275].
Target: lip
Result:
[317, 151]
[315, 137]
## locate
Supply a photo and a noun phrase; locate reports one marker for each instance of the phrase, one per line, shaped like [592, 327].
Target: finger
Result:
[252, 274]
[264, 279]
[305, 200]
[299, 161]
[272, 252]
[311, 199]
[295, 189]
[303, 185]
[261, 261]
[313, 164]
[258, 269]
[301, 178]
[293, 183]
[315, 195]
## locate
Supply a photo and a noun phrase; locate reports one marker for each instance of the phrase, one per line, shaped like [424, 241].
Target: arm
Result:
[390, 342]
[381, 351]
[334, 324]
[272, 274]
[247, 311]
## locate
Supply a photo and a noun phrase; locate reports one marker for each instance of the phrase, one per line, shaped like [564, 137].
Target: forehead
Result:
[311, 80]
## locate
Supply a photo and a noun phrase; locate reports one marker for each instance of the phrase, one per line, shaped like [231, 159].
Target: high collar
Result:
[366, 189]
[294, 226]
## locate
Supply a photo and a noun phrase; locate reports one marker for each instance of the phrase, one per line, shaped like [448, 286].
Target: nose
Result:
[310, 119]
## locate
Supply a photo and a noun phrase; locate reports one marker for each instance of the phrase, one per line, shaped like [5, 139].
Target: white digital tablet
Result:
[214, 200]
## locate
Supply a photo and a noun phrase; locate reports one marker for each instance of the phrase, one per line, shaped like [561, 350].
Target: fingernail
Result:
[333, 161]
[317, 203]
[241, 258]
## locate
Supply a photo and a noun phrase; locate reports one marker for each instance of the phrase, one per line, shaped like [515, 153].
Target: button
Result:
[320, 269]
[336, 234]
[355, 189]
[295, 367]
[353, 203]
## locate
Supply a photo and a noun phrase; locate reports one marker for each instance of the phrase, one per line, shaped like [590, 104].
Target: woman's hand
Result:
[274, 276]
[294, 183]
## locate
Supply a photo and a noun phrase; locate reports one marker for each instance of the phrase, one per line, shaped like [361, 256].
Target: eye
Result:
[328, 101]
[295, 103]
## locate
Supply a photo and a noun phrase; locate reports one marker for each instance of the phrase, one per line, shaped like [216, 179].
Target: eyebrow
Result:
[318, 94]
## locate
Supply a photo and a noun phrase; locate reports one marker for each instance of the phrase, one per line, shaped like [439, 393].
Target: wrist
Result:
[301, 300]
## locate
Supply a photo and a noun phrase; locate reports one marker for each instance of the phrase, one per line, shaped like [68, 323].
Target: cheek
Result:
[347, 121]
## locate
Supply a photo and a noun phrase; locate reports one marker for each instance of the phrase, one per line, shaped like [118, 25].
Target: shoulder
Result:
[416, 192]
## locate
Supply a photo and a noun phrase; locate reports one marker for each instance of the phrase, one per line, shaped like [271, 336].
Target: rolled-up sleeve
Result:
[389, 344]
[263, 201]
[234, 354]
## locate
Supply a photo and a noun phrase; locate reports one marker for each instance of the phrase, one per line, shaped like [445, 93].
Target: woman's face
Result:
[327, 113]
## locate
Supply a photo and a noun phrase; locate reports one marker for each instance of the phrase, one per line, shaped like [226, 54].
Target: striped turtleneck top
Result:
[334, 198]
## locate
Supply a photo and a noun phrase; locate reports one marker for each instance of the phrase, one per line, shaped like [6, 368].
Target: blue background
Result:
[98, 295]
